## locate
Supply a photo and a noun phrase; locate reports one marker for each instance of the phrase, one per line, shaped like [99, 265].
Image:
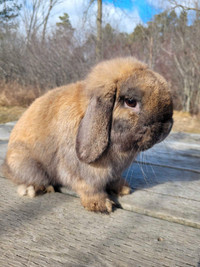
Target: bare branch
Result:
[184, 7]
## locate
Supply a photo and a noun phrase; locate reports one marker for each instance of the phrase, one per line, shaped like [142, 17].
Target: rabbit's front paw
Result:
[97, 203]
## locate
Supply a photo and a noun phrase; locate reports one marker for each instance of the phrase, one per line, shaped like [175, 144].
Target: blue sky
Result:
[145, 8]
[123, 15]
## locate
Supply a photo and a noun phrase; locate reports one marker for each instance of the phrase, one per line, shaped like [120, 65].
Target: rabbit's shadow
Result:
[162, 164]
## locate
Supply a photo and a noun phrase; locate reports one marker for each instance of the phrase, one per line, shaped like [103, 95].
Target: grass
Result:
[13, 94]
[183, 122]
[10, 113]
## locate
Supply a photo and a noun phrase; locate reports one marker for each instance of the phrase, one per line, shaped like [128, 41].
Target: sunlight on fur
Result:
[84, 135]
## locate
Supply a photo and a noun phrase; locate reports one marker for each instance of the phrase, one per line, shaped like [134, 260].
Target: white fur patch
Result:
[22, 190]
[31, 191]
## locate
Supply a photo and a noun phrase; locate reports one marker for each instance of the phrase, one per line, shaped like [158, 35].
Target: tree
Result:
[35, 15]
[114, 43]
[99, 28]
[186, 7]
[64, 22]
[187, 61]
[9, 11]
[99, 31]
[181, 53]
[171, 46]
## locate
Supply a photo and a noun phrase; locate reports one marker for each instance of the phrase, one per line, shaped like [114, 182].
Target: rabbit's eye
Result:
[132, 103]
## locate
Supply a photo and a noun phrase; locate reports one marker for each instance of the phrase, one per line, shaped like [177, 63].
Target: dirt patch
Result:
[183, 122]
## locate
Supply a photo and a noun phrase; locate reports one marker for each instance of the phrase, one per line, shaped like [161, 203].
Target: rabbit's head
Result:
[130, 109]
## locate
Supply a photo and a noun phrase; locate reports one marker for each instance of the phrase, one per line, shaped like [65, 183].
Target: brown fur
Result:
[82, 135]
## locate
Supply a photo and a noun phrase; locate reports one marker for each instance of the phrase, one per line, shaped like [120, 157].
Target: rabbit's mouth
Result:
[167, 129]
[139, 137]
[155, 134]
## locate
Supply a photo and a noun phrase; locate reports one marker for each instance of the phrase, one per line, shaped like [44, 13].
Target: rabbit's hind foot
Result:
[32, 191]
[119, 187]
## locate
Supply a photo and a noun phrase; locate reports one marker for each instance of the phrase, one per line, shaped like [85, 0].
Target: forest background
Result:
[37, 55]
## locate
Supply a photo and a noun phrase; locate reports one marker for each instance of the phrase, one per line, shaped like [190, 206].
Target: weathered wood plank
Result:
[5, 130]
[168, 186]
[179, 150]
[54, 230]
[3, 148]
[172, 158]
[169, 193]
[146, 176]
[175, 209]
[184, 137]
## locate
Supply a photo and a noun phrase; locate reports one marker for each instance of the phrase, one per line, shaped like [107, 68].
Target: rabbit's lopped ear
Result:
[94, 130]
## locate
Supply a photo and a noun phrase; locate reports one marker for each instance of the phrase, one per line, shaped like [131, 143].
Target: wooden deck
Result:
[158, 225]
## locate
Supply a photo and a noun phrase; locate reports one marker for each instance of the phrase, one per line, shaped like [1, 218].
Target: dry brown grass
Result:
[14, 94]
[10, 113]
[184, 122]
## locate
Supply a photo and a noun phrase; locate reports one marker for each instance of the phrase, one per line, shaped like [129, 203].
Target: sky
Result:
[123, 15]
[146, 9]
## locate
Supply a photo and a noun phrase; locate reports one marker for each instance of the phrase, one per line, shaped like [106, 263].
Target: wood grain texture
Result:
[54, 230]
[159, 224]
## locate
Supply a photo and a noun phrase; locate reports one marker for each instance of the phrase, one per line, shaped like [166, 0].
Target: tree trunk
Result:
[151, 52]
[99, 32]
[46, 20]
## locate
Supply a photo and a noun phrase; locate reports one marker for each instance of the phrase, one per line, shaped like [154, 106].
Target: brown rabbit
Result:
[84, 135]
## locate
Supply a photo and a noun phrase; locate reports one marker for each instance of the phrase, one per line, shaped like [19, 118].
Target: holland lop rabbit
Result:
[85, 134]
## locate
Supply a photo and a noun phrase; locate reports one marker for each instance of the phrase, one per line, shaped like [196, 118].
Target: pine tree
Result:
[64, 23]
[9, 10]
